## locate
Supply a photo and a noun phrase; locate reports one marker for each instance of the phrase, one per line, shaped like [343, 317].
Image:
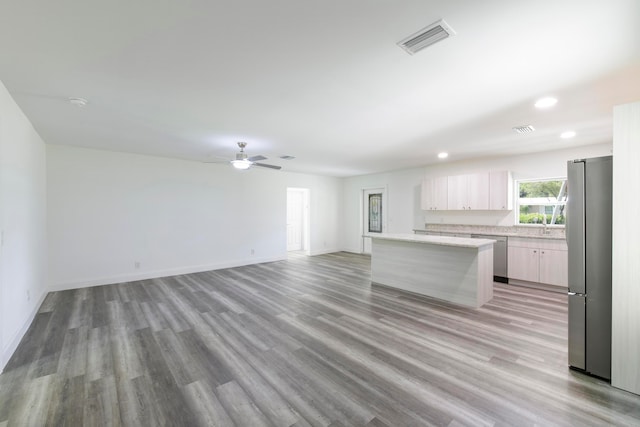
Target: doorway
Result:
[374, 212]
[298, 220]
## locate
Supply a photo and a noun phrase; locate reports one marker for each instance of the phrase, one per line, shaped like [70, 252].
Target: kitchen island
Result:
[454, 269]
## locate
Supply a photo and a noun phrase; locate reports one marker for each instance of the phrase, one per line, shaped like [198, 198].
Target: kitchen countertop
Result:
[435, 240]
[492, 233]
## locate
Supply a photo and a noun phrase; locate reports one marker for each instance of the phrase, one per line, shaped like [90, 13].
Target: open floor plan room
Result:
[306, 341]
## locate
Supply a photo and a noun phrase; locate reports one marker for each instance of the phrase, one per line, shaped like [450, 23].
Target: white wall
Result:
[403, 190]
[625, 342]
[109, 210]
[402, 209]
[22, 224]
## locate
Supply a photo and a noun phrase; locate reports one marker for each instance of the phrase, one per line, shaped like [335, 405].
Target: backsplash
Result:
[555, 232]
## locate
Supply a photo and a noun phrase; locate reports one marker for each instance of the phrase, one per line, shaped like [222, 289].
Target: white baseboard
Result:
[13, 343]
[120, 278]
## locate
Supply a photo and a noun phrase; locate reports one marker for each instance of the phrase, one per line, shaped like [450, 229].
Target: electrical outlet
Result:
[28, 295]
[253, 252]
[136, 265]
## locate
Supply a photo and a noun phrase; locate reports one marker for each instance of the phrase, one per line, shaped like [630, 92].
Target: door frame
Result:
[306, 217]
[364, 208]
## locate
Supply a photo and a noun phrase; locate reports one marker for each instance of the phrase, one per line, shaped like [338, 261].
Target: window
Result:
[375, 213]
[542, 201]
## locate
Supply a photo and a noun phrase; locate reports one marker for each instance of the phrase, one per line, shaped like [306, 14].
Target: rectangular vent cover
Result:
[524, 129]
[426, 37]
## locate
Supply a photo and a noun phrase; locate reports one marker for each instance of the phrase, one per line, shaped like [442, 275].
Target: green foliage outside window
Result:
[537, 218]
[538, 199]
[540, 189]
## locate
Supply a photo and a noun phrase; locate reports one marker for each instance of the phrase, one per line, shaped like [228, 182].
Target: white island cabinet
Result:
[454, 269]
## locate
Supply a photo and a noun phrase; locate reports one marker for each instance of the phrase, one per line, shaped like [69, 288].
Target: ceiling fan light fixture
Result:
[241, 164]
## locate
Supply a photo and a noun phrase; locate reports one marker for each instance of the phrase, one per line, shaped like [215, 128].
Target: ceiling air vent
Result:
[426, 37]
[524, 129]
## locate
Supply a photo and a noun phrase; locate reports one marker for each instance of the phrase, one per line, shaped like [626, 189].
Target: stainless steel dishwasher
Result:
[499, 256]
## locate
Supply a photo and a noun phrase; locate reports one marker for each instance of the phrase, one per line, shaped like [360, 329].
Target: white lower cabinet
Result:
[524, 264]
[554, 267]
[538, 260]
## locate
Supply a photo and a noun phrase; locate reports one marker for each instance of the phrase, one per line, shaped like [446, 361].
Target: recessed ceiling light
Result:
[546, 102]
[78, 102]
[443, 155]
[568, 134]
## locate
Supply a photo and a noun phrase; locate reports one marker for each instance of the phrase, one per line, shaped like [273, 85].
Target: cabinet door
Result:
[434, 194]
[426, 200]
[439, 193]
[554, 267]
[523, 263]
[457, 188]
[478, 191]
[500, 191]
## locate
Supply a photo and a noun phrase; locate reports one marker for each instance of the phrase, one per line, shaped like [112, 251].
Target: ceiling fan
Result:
[243, 162]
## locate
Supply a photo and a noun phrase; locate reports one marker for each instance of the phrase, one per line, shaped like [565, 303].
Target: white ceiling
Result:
[323, 81]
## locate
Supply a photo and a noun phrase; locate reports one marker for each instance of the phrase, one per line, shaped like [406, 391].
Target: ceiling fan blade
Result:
[215, 159]
[264, 165]
[256, 158]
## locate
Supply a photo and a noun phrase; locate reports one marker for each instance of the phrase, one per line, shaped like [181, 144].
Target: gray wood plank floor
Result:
[307, 341]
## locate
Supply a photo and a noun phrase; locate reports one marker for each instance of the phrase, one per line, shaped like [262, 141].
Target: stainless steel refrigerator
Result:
[588, 232]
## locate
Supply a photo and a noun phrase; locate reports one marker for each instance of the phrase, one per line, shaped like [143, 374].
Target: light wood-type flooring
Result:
[307, 341]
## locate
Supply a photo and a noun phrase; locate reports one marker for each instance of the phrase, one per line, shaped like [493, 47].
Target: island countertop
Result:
[434, 240]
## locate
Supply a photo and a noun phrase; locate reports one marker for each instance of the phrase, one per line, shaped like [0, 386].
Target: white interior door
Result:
[295, 219]
[374, 215]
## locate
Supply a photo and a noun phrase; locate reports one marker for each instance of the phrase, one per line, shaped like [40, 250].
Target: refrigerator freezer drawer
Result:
[577, 331]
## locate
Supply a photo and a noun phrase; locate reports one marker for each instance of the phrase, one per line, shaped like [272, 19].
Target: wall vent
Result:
[524, 129]
[426, 37]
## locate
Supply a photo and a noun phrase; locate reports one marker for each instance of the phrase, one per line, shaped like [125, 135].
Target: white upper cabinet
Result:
[500, 191]
[478, 191]
[434, 194]
[457, 192]
[468, 192]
